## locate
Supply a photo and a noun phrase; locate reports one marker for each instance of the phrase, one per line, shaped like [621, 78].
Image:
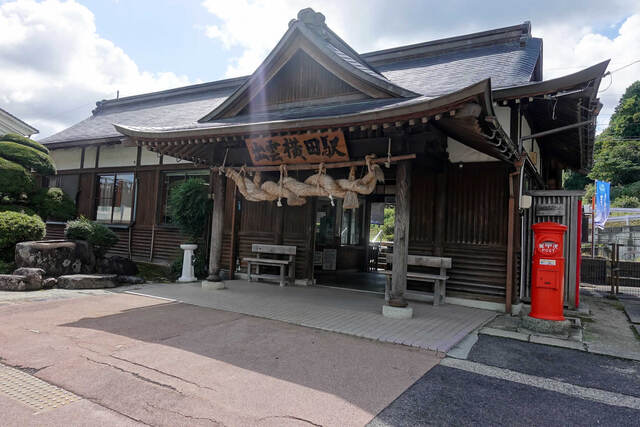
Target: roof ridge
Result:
[169, 93]
[520, 33]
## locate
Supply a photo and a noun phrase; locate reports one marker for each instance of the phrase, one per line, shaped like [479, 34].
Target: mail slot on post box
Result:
[547, 272]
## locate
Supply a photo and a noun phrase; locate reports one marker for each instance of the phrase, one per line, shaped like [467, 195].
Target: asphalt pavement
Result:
[509, 382]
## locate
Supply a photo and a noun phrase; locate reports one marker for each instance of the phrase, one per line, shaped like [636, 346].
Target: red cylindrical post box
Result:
[547, 271]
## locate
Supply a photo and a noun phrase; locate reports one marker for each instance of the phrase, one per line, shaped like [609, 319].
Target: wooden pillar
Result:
[217, 227]
[401, 234]
[511, 231]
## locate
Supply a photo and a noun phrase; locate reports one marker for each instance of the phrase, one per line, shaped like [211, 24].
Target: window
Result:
[115, 198]
[68, 183]
[350, 226]
[170, 180]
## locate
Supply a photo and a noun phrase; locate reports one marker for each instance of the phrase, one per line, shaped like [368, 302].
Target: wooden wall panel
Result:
[422, 215]
[84, 200]
[477, 202]
[145, 209]
[54, 232]
[302, 78]
[475, 224]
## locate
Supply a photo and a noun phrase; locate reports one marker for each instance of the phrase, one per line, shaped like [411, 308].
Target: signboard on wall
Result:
[329, 259]
[314, 147]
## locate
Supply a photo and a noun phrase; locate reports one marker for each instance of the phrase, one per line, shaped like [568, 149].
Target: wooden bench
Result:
[439, 280]
[284, 264]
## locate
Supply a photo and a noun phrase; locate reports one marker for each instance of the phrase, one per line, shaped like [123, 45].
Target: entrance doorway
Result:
[350, 250]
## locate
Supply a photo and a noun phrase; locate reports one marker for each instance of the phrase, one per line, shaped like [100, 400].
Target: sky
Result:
[57, 58]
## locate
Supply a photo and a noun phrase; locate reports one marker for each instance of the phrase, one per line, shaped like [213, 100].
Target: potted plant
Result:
[189, 207]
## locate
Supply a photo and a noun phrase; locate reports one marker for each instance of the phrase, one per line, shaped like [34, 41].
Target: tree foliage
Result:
[617, 149]
[18, 227]
[189, 207]
[101, 237]
[387, 227]
[54, 204]
[27, 157]
[15, 180]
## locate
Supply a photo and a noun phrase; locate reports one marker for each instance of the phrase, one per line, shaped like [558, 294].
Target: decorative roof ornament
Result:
[315, 21]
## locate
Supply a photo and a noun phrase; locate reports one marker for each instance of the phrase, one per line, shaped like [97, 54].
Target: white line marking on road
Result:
[151, 296]
[606, 397]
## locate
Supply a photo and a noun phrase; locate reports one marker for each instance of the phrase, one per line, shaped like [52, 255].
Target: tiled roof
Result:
[508, 62]
[506, 65]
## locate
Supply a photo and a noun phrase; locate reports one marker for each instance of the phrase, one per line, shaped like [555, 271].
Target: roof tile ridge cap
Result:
[525, 27]
[170, 93]
[316, 23]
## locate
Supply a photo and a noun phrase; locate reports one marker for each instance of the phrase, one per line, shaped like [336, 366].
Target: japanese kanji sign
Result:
[304, 148]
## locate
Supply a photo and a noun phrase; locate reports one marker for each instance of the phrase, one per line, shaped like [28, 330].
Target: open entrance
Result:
[353, 246]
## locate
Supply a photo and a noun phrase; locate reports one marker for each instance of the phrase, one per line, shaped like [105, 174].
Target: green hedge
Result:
[14, 179]
[100, 236]
[53, 204]
[17, 208]
[23, 140]
[17, 227]
[28, 157]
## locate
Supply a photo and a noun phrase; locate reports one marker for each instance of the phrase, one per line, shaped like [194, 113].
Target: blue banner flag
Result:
[602, 204]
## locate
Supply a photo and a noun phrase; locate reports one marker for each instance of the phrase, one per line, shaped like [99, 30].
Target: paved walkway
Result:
[124, 359]
[336, 310]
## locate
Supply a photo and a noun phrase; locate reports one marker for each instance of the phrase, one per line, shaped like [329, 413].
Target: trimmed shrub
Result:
[626, 202]
[54, 204]
[100, 236]
[14, 179]
[17, 227]
[28, 157]
[189, 206]
[17, 208]
[79, 229]
[23, 140]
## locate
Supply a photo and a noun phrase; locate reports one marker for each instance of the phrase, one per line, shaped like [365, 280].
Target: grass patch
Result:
[155, 273]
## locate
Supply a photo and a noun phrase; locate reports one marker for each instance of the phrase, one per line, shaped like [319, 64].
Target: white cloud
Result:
[567, 51]
[249, 29]
[54, 65]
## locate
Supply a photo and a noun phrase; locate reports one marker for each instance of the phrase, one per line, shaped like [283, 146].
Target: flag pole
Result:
[593, 225]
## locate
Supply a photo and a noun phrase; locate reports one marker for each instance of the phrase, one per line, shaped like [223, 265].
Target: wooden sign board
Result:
[304, 148]
[551, 209]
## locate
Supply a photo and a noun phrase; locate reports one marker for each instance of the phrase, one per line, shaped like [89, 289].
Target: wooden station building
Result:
[460, 127]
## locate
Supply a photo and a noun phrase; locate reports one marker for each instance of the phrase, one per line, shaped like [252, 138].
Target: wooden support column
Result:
[217, 227]
[511, 231]
[401, 235]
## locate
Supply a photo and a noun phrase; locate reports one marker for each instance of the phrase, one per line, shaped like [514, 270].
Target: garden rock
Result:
[33, 275]
[13, 282]
[130, 280]
[49, 283]
[87, 281]
[57, 257]
[117, 265]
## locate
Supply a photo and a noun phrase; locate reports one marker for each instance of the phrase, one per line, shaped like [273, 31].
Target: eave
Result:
[466, 114]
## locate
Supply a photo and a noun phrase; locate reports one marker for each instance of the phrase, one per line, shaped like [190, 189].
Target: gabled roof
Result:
[509, 56]
[310, 34]
[12, 124]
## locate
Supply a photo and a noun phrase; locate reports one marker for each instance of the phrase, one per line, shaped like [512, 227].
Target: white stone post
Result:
[188, 274]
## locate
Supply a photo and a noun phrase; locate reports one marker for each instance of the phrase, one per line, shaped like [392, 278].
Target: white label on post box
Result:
[547, 262]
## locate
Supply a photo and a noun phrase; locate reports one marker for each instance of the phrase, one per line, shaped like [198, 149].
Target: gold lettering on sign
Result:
[304, 148]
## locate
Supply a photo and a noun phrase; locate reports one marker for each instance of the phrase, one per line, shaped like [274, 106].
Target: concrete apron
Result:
[132, 359]
[336, 310]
